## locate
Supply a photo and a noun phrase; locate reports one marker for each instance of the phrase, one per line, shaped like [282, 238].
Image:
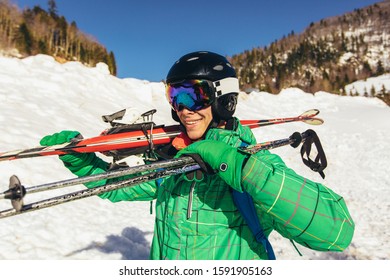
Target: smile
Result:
[192, 122]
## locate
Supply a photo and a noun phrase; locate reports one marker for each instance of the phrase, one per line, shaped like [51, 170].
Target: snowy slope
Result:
[39, 96]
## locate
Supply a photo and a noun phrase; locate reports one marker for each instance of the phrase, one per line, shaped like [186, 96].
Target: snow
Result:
[376, 84]
[39, 96]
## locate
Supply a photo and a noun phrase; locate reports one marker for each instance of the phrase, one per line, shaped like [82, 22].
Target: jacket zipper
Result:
[190, 198]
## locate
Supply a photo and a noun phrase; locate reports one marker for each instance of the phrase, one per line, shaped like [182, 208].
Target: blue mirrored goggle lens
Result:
[192, 94]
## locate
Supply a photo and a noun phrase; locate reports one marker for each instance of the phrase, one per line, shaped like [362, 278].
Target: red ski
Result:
[137, 138]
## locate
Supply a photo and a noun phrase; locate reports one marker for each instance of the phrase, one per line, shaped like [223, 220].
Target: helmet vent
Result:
[218, 68]
[193, 58]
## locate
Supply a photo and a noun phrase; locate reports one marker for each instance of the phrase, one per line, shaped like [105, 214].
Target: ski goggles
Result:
[198, 94]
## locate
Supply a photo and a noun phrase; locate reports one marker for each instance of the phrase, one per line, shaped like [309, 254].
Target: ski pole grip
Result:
[296, 137]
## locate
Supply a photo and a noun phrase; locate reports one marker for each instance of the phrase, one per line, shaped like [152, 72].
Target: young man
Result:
[196, 215]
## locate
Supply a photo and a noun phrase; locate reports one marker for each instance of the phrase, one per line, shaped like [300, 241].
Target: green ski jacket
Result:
[198, 220]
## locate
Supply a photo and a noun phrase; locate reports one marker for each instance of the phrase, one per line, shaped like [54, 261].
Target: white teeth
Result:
[191, 122]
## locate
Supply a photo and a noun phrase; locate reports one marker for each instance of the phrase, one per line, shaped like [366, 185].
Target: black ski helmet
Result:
[212, 67]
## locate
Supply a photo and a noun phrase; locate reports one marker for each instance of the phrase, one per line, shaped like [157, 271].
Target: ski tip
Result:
[313, 121]
[18, 191]
[310, 113]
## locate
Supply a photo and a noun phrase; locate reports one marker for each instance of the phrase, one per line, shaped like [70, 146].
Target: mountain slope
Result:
[327, 56]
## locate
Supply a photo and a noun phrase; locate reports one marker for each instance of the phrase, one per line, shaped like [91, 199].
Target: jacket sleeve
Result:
[141, 192]
[92, 164]
[304, 211]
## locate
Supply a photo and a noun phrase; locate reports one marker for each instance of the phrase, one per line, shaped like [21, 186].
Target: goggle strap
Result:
[226, 85]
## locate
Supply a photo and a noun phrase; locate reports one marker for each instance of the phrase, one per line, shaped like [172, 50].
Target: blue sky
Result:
[148, 36]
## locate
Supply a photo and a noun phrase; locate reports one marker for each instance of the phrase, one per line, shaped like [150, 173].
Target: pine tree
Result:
[25, 41]
[53, 8]
[367, 68]
[380, 70]
[372, 91]
[383, 90]
[110, 61]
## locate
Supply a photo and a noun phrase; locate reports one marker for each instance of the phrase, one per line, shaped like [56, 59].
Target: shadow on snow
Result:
[131, 244]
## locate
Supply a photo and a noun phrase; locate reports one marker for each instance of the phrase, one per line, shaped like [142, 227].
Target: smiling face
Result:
[195, 122]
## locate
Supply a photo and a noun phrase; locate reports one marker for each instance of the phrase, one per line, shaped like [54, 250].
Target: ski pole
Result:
[171, 167]
[98, 190]
[9, 194]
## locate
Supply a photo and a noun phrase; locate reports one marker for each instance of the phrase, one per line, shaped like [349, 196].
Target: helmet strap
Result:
[175, 116]
[230, 124]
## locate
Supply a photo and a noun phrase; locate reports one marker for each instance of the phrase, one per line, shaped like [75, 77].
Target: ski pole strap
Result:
[319, 163]
[245, 205]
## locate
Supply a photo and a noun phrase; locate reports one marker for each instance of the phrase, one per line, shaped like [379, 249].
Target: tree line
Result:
[37, 31]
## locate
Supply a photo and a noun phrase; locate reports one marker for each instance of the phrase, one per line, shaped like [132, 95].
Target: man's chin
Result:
[194, 135]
